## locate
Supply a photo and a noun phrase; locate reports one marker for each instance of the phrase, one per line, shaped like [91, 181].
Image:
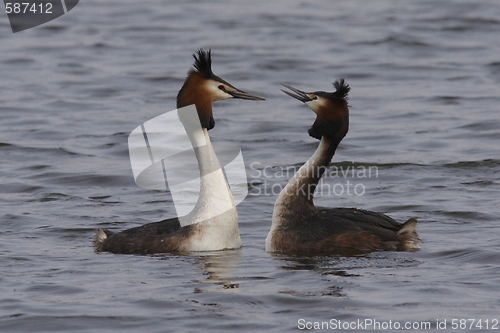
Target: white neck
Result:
[214, 216]
[297, 195]
[300, 189]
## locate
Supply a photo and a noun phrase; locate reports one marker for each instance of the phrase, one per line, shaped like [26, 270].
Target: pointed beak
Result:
[299, 94]
[243, 95]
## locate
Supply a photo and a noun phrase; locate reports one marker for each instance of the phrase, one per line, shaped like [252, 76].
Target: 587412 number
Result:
[27, 7]
[470, 324]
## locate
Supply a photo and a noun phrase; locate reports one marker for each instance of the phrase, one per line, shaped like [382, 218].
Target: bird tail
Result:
[99, 238]
[409, 240]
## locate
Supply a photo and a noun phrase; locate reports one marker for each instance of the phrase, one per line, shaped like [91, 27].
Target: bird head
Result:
[202, 87]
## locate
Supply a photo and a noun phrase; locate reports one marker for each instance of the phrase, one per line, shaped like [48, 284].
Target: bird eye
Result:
[315, 98]
[221, 87]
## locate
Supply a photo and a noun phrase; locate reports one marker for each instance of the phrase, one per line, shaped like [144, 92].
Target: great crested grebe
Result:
[299, 226]
[201, 87]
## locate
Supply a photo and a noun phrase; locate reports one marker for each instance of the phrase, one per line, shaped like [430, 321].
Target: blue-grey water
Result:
[425, 117]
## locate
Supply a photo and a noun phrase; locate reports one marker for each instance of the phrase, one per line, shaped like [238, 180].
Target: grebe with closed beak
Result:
[207, 232]
[298, 226]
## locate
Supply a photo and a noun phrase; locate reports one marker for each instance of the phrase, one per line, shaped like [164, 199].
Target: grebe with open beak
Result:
[217, 232]
[298, 226]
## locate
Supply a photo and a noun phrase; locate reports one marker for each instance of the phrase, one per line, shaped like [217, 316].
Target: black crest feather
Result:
[203, 62]
[342, 88]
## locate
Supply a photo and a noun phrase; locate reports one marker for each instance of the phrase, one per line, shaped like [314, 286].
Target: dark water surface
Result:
[425, 78]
